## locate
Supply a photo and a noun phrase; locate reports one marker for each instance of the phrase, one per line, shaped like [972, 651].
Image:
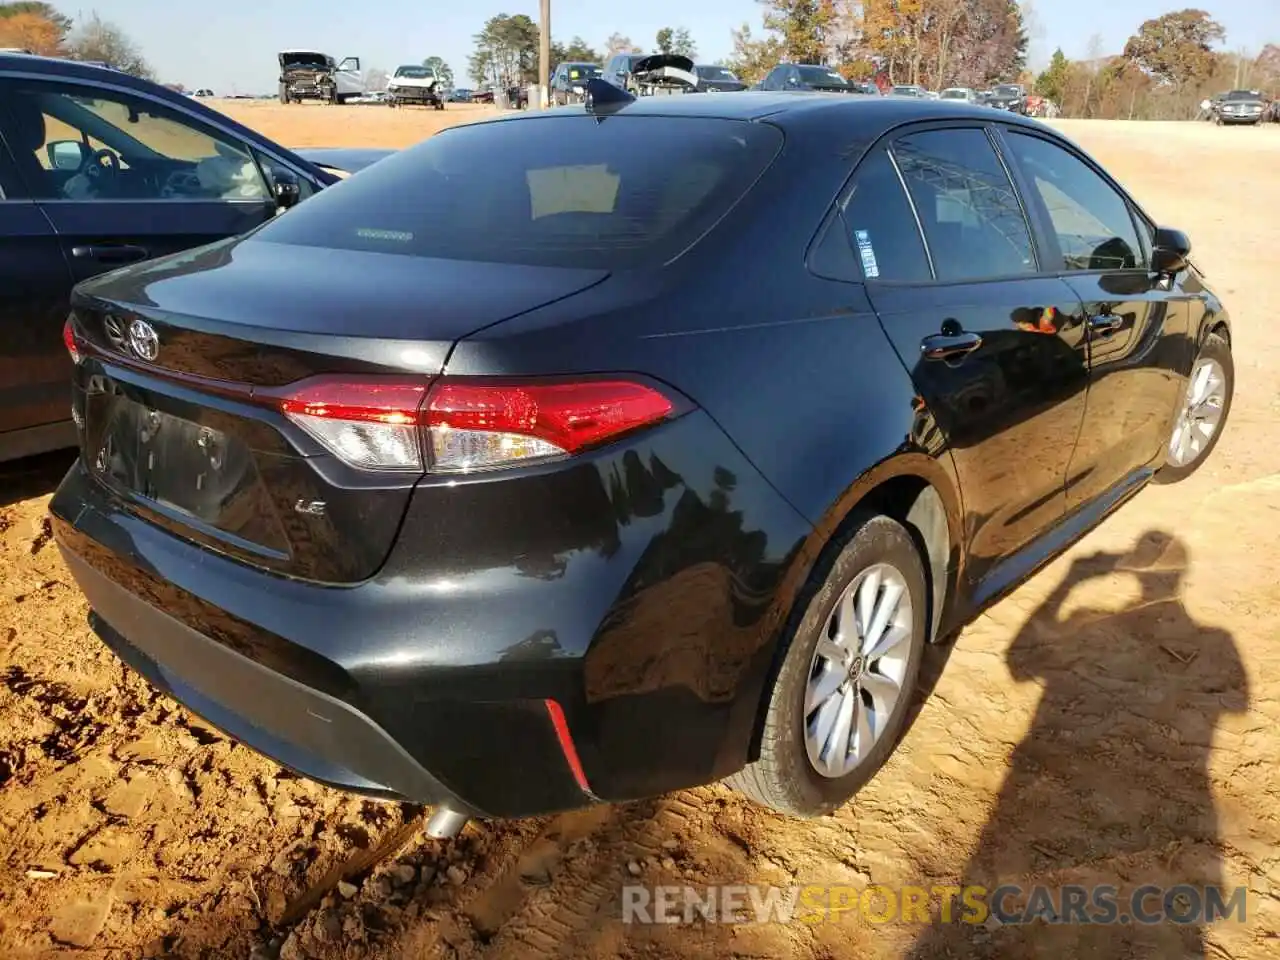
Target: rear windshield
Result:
[716, 73]
[821, 76]
[955, 94]
[582, 71]
[1007, 92]
[551, 191]
[415, 73]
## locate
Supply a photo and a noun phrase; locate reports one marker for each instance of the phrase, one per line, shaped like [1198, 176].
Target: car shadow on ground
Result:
[1110, 785]
[33, 476]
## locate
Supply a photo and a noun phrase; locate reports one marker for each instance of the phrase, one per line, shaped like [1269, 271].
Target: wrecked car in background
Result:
[308, 75]
[414, 85]
[662, 73]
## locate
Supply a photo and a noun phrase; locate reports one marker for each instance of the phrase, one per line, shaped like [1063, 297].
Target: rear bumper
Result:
[317, 735]
[595, 631]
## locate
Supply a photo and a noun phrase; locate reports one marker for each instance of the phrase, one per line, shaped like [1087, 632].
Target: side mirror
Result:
[285, 186]
[67, 154]
[1170, 250]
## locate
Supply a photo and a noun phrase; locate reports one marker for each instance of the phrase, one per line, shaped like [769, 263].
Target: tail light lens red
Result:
[70, 342]
[376, 424]
[482, 426]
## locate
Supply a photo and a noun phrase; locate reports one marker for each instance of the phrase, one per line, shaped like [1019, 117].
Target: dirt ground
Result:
[1113, 721]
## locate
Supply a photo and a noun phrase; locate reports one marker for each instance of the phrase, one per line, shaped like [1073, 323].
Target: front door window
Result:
[85, 143]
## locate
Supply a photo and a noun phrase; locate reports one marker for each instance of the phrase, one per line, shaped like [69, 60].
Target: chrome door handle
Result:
[1105, 323]
[949, 346]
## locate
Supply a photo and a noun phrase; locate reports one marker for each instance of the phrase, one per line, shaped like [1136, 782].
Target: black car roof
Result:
[799, 108]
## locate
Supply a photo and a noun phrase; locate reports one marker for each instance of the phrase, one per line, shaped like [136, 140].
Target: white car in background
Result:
[416, 84]
[963, 94]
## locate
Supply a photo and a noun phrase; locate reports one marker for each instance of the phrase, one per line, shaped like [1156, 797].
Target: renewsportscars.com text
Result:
[1008, 904]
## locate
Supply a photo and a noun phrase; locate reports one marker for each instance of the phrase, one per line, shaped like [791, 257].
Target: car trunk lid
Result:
[190, 361]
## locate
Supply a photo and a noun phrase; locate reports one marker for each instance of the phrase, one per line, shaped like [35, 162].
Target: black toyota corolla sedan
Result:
[590, 454]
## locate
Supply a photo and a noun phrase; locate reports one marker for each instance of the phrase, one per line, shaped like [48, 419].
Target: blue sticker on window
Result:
[867, 252]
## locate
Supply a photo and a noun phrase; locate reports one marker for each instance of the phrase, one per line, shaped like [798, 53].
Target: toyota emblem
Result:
[143, 340]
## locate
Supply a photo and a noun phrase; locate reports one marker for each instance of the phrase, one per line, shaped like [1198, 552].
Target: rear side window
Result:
[1092, 221]
[971, 216]
[882, 228]
[545, 191]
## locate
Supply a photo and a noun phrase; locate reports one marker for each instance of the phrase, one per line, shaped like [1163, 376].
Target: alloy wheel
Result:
[1201, 412]
[858, 669]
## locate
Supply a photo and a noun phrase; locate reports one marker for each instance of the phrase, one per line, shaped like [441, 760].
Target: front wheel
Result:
[845, 684]
[1202, 412]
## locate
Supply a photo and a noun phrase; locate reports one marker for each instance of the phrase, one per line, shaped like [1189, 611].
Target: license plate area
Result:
[177, 464]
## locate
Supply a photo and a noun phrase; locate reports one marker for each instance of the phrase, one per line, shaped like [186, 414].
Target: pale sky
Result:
[231, 45]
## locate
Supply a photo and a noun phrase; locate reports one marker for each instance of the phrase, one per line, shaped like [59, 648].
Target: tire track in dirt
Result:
[549, 899]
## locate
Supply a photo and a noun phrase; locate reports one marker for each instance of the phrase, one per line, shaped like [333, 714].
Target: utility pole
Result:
[544, 54]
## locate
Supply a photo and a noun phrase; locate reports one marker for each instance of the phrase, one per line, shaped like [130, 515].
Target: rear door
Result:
[35, 371]
[995, 346]
[1137, 323]
[125, 177]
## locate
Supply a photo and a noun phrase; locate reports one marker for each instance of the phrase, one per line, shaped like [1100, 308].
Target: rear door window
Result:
[548, 191]
[881, 225]
[972, 218]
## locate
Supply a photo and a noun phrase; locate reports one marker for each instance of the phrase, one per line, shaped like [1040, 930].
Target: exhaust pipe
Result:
[445, 823]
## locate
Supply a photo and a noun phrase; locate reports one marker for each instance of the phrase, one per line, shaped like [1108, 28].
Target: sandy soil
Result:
[1114, 720]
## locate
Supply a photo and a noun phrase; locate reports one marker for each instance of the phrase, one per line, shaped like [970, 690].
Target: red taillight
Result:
[69, 340]
[479, 426]
[379, 424]
[369, 423]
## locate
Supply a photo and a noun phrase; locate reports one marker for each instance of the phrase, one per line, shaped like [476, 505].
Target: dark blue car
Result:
[97, 170]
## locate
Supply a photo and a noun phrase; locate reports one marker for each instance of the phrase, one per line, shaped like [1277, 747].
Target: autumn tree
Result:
[38, 8]
[101, 41]
[29, 31]
[803, 27]
[442, 69]
[620, 43]
[893, 30]
[751, 58]
[677, 41]
[33, 26]
[941, 43]
[1267, 65]
[1177, 47]
[506, 50]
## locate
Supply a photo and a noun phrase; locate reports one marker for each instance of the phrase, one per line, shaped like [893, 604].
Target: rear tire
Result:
[1216, 355]
[786, 777]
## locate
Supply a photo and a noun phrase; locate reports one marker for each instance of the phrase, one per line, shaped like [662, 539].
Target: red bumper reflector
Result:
[566, 744]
